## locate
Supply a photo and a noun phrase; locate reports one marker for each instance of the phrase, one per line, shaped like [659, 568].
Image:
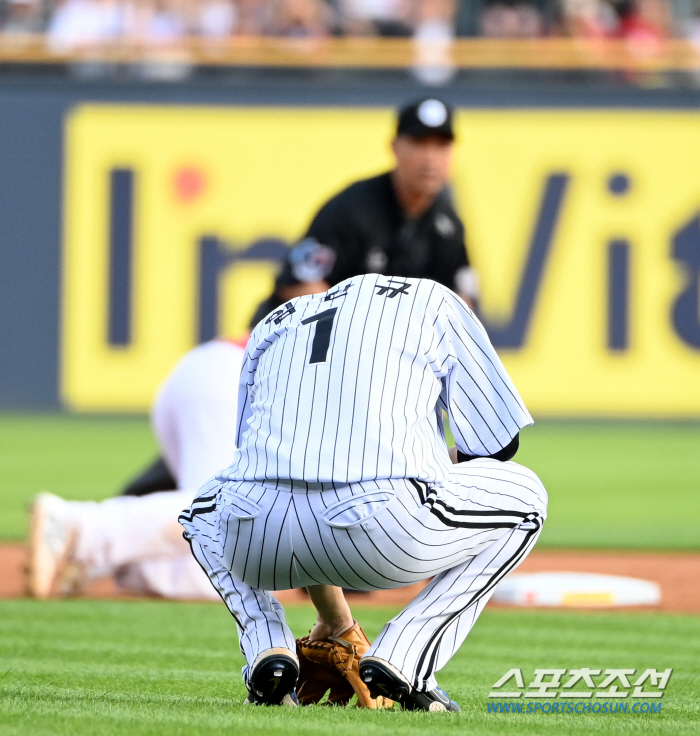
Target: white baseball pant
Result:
[468, 533]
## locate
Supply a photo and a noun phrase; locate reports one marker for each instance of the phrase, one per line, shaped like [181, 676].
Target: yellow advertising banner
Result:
[584, 227]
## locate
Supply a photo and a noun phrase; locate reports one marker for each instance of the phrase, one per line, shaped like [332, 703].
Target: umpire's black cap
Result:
[429, 116]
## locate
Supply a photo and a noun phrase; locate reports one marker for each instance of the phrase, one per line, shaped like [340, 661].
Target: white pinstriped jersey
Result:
[350, 386]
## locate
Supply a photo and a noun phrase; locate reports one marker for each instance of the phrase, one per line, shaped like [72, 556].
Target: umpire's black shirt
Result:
[370, 233]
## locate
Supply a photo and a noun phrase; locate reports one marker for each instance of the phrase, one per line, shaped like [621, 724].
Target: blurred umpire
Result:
[400, 223]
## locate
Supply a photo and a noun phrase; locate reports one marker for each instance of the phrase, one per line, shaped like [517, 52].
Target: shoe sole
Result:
[381, 681]
[42, 567]
[45, 568]
[273, 679]
[384, 679]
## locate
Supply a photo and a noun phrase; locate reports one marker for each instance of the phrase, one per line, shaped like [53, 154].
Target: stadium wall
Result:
[137, 219]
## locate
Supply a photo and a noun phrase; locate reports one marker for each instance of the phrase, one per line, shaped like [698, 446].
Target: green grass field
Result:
[150, 668]
[611, 484]
[100, 668]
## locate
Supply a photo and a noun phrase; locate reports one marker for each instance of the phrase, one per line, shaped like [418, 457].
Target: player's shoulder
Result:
[444, 202]
[360, 193]
[430, 294]
[279, 319]
[456, 316]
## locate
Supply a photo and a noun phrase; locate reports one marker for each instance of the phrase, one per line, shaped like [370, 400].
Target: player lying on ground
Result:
[342, 478]
[136, 538]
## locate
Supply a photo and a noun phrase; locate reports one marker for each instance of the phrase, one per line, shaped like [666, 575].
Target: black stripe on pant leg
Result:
[441, 588]
[196, 512]
[473, 524]
[475, 512]
[416, 485]
[501, 572]
[436, 651]
[450, 525]
[256, 593]
[498, 575]
[431, 500]
[439, 633]
[420, 598]
[193, 507]
[204, 499]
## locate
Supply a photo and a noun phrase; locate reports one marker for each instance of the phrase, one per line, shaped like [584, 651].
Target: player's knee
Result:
[540, 499]
[542, 502]
[537, 494]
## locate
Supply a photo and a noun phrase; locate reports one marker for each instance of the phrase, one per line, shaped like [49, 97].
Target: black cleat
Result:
[273, 678]
[384, 679]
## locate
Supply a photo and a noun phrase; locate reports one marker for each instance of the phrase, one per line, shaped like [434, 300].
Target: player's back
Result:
[350, 385]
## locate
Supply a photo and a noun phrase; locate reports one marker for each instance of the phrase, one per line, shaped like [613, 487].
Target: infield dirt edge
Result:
[678, 574]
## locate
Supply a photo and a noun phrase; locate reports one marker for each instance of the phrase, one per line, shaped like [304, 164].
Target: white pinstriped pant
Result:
[469, 533]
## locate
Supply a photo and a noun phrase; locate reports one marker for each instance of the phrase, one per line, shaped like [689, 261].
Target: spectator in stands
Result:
[254, 17]
[691, 23]
[301, 18]
[435, 18]
[377, 17]
[166, 23]
[80, 23]
[512, 19]
[217, 18]
[76, 23]
[643, 20]
[588, 19]
[433, 35]
[23, 16]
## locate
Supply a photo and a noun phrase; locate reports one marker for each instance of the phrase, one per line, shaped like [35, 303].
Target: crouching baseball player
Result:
[342, 478]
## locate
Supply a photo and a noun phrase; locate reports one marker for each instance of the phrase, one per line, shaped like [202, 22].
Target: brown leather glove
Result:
[334, 664]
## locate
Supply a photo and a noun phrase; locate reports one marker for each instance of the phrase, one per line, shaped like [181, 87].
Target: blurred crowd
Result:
[74, 22]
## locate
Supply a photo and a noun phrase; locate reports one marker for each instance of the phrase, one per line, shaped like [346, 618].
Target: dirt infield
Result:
[678, 574]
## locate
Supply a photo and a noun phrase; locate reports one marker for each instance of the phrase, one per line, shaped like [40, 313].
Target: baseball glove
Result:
[334, 664]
